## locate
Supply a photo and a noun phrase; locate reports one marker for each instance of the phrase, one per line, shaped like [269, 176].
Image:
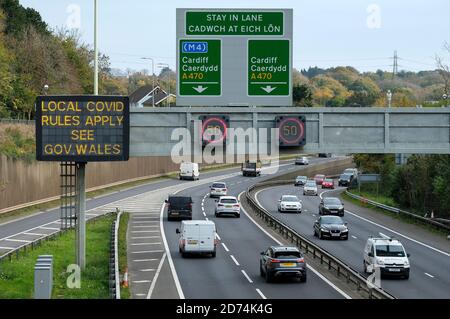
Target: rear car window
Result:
[287, 254]
[218, 185]
[180, 200]
[228, 201]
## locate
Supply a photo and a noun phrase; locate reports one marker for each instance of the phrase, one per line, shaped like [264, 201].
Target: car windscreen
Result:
[250, 165]
[328, 181]
[328, 220]
[218, 185]
[349, 171]
[287, 254]
[331, 201]
[345, 176]
[389, 251]
[180, 201]
[290, 199]
[311, 184]
[228, 201]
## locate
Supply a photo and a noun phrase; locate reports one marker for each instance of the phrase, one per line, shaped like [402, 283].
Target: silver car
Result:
[310, 188]
[228, 205]
[218, 189]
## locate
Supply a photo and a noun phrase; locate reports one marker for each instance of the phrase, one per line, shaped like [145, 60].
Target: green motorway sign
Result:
[268, 67]
[200, 68]
[234, 23]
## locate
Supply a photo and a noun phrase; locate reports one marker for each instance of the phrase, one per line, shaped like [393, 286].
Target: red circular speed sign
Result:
[292, 131]
[214, 130]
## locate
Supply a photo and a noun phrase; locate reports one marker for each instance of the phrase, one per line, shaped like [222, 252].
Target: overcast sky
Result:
[360, 33]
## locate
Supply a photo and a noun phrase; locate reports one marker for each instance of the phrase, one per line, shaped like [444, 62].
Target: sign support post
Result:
[81, 215]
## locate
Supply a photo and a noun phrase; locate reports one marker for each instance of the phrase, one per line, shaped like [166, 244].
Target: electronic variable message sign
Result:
[292, 130]
[82, 128]
[200, 67]
[251, 65]
[214, 129]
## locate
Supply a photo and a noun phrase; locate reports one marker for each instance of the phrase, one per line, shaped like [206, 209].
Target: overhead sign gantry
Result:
[234, 57]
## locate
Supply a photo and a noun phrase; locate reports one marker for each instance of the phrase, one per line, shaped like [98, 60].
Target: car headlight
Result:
[324, 229]
[344, 231]
[380, 262]
[406, 263]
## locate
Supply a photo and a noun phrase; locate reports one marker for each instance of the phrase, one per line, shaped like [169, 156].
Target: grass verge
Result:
[123, 262]
[400, 217]
[17, 276]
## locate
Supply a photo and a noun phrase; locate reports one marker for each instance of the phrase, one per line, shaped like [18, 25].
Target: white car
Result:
[228, 205]
[218, 189]
[388, 255]
[289, 203]
[310, 188]
[302, 161]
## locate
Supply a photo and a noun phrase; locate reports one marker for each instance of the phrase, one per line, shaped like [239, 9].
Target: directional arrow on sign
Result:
[200, 88]
[268, 88]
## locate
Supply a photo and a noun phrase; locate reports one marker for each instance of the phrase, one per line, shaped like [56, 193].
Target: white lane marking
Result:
[431, 276]
[206, 219]
[48, 228]
[147, 251]
[314, 215]
[19, 240]
[261, 294]
[140, 281]
[169, 257]
[155, 278]
[144, 226]
[354, 237]
[144, 222]
[225, 247]
[34, 234]
[279, 243]
[235, 261]
[140, 295]
[143, 260]
[145, 237]
[218, 237]
[147, 270]
[246, 276]
[143, 244]
[6, 248]
[204, 214]
[144, 231]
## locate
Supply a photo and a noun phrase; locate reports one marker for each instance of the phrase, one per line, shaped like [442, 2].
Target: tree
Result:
[302, 95]
[328, 92]
[444, 70]
[364, 91]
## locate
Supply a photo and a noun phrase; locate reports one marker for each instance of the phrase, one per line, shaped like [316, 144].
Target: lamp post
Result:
[95, 50]
[389, 97]
[153, 78]
[165, 65]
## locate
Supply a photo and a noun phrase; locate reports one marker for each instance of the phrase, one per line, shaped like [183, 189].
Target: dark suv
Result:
[282, 261]
[179, 207]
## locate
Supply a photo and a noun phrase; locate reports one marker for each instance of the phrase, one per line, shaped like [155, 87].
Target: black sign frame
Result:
[82, 158]
[301, 119]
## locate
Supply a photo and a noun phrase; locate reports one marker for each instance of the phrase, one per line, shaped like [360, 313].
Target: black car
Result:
[324, 154]
[345, 180]
[331, 227]
[179, 207]
[331, 206]
[282, 261]
[300, 180]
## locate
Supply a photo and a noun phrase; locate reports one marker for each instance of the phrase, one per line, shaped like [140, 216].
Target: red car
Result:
[319, 179]
[328, 183]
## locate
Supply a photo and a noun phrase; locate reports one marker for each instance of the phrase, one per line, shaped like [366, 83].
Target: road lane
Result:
[423, 260]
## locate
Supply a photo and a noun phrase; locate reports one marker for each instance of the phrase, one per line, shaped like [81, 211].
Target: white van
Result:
[189, 171]
[197, 236]
[388, 254]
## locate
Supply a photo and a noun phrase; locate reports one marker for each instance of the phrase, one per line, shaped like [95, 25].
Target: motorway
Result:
[430, 275]
[234, 273]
